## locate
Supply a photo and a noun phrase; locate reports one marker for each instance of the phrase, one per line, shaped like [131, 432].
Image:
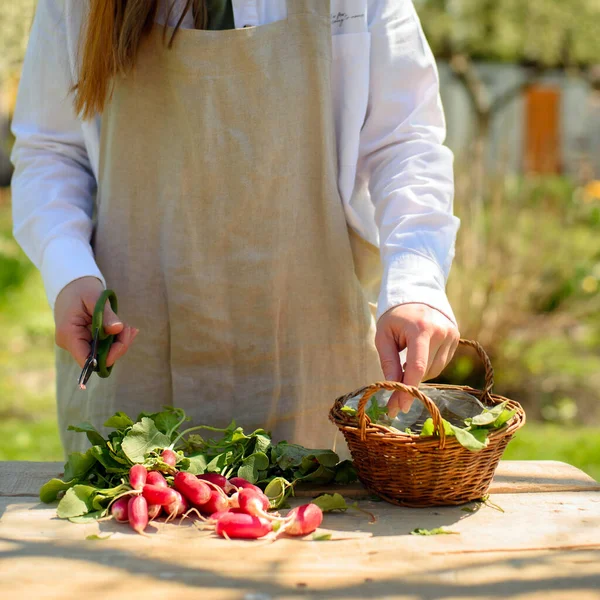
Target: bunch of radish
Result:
[234, 507]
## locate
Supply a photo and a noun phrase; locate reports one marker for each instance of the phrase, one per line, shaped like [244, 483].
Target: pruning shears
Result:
[101, 341]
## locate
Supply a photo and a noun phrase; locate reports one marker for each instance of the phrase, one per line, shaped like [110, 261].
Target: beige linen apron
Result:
[221, 228]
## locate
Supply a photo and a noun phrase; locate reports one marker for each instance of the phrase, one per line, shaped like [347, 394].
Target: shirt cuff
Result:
[413, 278]
[64, 261]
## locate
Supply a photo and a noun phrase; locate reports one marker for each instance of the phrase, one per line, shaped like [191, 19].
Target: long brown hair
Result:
[110, 40]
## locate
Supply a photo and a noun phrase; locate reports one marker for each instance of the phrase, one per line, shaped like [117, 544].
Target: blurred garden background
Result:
[521, 88]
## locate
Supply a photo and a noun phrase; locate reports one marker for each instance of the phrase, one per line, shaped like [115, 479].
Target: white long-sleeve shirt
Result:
[395, 174]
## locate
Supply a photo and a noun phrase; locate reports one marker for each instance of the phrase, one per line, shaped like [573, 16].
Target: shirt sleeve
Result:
[409, 170]
[53, 183]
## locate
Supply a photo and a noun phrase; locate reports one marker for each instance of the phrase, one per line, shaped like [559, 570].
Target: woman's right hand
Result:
[73, 316]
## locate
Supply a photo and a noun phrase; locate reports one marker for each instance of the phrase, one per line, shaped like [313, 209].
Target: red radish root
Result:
[253, 503]
[137, 476]
[303, 520]
[217, 502]
[138, 513]
[196, 491]
[241, 526]
[156, 494]
[169, 457]
[118, 509]
[219, 480]
[156, 478]
[178, 507]
[154, 511]
[239, 482]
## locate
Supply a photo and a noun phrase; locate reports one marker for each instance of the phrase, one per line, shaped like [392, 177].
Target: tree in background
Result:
[539, 35]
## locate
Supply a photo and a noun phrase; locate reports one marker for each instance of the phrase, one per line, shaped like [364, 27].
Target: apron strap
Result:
[321, 8]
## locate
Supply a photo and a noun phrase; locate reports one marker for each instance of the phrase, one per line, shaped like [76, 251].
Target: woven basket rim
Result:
[375, 431]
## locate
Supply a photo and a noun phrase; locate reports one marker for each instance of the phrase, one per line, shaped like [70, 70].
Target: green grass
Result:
[578, 446]
[28, 428]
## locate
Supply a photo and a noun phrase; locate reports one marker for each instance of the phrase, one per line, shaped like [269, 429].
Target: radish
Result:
[217, 479]
[156, 494]
[156, 478]
[217, 502]
[217, 515]
[137, 509]
[253, 503]
[194, 490]
[240, 526]
[137, 476]
[169, 457]
[154, 511]
[239, 482]
[303, 520]
[118, 509]
[179, 506]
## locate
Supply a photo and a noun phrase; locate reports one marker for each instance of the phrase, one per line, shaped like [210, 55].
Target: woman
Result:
[232, 186]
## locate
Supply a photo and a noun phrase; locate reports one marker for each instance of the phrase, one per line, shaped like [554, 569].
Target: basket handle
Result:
[432, 409]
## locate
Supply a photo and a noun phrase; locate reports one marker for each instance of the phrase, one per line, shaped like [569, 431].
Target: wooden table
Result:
[545, 545]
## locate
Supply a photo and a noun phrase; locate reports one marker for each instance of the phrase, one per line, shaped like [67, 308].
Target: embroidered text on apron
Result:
[220, 227]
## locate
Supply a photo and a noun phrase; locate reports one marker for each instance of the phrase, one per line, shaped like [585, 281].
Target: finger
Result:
[121, 344]
[80, 346]
[111, 322]
[417, 359]
[442, 357]
[389, 357]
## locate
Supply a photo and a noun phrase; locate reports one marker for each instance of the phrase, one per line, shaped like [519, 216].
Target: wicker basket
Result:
[410, 470]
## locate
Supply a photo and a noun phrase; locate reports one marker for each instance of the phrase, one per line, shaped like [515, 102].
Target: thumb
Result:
[112, 324]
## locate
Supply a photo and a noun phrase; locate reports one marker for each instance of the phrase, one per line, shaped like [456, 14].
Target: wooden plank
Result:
[493, 554]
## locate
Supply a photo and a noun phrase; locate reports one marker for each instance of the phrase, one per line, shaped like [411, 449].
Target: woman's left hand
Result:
[431, 339]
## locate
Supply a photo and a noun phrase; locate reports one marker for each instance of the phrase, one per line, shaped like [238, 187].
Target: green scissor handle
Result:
[105, 340]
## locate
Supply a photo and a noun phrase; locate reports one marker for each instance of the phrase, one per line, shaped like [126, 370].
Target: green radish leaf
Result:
[197, 464]
[107, 460]
[289, 456]
[79, 464]
[263, 443]
[219, 462]
[321, 476]
[327, 458]
[168, 420]
[374, 412]
[98, 538]
[252, 465]
[471, 440]
[349, 410]
[119, 421]
[309, 464]
[428, 428]
[489, 415]
[88, 518]
[49, 491]
[330, 502]
[143, 438]
[76, 502]
[436, 531]
[345, 472]
[277, 491]
[92, 434]
[100, 502]
[321, 537]
[505, 416]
